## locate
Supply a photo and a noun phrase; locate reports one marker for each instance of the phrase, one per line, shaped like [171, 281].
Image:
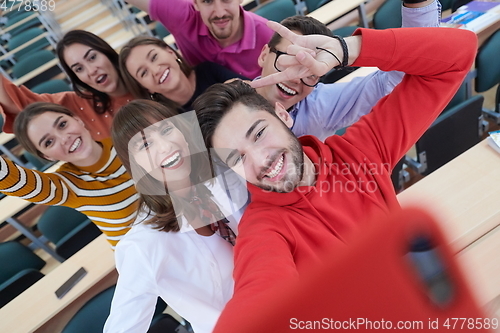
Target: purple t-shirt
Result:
[197, 44]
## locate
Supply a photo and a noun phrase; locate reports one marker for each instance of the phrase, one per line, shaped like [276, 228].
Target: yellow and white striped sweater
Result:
[104, 192]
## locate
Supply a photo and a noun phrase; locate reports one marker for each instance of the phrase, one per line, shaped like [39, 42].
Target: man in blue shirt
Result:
[324, 108]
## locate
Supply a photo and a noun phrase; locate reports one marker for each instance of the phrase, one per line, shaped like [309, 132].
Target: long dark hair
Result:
[101, 101]
[135, 88]
[134, 118]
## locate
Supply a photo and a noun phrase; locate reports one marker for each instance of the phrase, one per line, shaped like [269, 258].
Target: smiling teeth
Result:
[100, 78]
[164, 76]
[172, 161]
[276, 169]
[287, 90]
[75, 145]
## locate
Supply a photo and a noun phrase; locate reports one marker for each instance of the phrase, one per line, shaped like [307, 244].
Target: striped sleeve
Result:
[108, 199]
[31, 185]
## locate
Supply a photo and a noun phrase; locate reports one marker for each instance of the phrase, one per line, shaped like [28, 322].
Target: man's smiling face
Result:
[222, 17]
[287, 93]
[259, 147]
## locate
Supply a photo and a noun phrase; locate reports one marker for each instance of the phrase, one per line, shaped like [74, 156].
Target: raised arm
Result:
[7, 104]
[309, 55]
[339, 105]
[14, 99]
[425, 14]
[32, 185]
[112, 208]
[435, 60]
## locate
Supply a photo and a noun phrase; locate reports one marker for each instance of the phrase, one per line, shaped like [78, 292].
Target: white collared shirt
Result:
[190, 272]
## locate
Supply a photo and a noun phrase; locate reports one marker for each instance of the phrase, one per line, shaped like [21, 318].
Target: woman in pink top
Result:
[99, 91]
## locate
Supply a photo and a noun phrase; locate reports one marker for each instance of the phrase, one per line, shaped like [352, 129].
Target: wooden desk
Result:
[10, 206]
[463, 195]
[336, 8]
[487, 30]
[480, 262]
[38, 309]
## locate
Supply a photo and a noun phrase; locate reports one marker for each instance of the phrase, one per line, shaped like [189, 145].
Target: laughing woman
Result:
[99, 91]
[153, 70]
[93, 181]
[172, 250]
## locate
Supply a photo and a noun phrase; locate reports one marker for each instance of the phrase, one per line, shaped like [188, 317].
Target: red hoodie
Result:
[281, 234]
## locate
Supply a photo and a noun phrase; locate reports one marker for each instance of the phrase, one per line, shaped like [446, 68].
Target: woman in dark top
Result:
[153, 70]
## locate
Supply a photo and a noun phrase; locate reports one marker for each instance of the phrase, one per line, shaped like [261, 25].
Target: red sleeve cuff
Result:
[377, 48]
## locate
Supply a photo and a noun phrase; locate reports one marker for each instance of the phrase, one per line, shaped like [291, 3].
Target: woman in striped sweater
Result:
[93, 181]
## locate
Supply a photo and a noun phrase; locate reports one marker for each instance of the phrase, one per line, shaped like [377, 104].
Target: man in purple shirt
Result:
[213, 30]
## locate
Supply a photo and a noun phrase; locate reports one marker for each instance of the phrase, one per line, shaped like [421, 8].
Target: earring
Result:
[152, 97]
[179, 61]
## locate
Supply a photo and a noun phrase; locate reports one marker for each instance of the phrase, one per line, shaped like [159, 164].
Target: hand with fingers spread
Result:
[309, 55]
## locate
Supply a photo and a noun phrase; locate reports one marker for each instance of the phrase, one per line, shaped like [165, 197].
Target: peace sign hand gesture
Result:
[307, 55]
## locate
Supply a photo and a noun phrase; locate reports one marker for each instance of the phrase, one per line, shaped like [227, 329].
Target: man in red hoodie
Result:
[309, 196]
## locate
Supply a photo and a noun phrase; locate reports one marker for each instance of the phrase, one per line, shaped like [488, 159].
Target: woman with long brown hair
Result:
[180, 247]
[153, 70]
[99, 91]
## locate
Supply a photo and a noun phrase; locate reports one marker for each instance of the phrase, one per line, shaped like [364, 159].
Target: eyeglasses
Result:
[310, 81]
